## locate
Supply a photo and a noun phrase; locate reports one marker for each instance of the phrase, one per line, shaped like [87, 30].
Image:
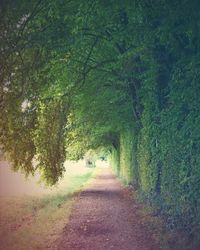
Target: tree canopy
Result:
[119, 75]
[63, 71]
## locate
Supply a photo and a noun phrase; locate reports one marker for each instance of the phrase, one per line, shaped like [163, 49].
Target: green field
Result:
[35, 221]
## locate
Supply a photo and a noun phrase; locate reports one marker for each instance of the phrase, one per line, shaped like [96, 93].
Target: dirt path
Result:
[105, 217]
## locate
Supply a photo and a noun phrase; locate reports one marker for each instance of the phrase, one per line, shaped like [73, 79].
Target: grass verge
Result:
[168, 239]
[34, 222]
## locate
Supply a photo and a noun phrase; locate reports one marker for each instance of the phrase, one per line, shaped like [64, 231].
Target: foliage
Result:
[123, 75]
[49, 139]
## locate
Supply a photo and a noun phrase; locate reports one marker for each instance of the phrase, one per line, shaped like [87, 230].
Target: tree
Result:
[122, 75]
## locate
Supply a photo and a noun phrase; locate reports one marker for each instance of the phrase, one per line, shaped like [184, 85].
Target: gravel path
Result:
[105, 217]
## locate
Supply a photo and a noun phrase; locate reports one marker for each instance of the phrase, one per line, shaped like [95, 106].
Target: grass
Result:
[36, 221]
[175, 239]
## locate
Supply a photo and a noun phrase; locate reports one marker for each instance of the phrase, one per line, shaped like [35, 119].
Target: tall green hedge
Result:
[126, 155]
[122, 75]
[163, 154]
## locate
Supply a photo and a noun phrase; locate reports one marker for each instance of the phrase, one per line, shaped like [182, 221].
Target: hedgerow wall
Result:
[162, 157]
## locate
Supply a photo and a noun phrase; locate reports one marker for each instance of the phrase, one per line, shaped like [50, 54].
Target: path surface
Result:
[105, 217]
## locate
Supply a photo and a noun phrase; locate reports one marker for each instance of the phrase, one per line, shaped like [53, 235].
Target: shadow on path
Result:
[103, 219]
